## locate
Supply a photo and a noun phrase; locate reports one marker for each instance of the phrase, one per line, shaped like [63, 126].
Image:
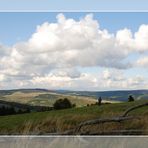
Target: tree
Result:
[99, 101]
[62, 104]
[20, 111]
[130, 98]
[74, 105]
[12, 110]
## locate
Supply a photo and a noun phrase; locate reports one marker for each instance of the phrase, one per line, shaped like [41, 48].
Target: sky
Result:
[78, 5]
[75, 51]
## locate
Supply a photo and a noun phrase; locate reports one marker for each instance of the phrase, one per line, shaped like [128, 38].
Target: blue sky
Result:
[20, 26]
[35, 58]
[73, 5]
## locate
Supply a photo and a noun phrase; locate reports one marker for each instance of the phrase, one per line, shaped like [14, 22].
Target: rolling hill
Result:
[121, 95]
[42, 97]
[57, 121]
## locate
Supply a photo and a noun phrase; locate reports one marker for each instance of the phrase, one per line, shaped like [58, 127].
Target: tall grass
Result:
[59, 121]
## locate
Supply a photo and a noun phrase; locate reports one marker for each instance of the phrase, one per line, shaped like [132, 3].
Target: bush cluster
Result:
[63, 104]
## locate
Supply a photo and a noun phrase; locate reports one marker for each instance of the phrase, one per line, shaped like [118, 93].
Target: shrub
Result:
[62, 104]
[130, 98]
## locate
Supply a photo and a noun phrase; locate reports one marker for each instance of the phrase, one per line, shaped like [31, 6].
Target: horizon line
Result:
[73, 89]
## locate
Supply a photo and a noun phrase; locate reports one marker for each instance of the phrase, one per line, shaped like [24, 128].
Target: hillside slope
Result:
[41, 97]
[120, 95]
[61, 120]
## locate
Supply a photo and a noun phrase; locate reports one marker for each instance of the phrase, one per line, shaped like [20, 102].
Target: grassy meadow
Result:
[58, 121]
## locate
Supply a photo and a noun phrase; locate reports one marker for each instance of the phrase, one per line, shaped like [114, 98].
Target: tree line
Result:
[12, 111]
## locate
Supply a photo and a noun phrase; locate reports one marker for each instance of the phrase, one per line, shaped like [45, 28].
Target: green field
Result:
[57, 121]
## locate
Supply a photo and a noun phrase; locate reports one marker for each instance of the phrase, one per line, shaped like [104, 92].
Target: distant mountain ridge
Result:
[121, 95]
[24, 90]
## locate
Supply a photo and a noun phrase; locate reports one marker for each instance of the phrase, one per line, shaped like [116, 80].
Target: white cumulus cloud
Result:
[55, 53]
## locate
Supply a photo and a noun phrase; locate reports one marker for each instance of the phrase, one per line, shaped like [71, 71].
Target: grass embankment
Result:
[61, 120]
